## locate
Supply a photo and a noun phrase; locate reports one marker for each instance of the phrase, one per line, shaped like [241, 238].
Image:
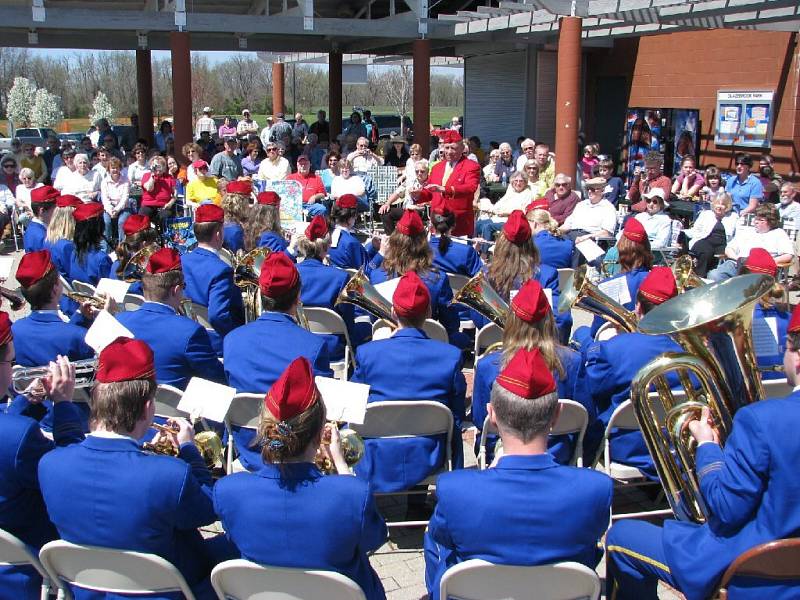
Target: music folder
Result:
[345, 401]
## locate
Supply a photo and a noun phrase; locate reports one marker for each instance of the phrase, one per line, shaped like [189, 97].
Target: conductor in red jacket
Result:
[454, 180]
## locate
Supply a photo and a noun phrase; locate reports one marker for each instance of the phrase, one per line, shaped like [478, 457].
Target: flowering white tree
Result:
[46, 110]
[21, 98]
[101, 108]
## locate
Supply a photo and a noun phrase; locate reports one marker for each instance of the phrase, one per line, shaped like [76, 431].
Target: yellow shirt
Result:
[201, 189]
[36, 164]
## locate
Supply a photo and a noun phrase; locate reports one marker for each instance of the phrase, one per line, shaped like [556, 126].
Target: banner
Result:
[179, 234]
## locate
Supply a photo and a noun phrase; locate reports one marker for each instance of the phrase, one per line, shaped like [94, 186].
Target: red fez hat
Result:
[278, 275]
[659, 286]
[530, 303]
[5, 328]
[161, 261]
[33, 266]
[410, 223]
[634, 231]
[199, 164]
[44, 194]
[423, 197]
[517, 229]
[538, 204]
[527, 375]
[209, 213]
[239, 187]
[135, 224]
[125, 359]
[794, 322]
[269, 198]
[411, 297]
[317, 228]
[86, 211]
[450, 136]
[294, 391]
[68, 201]
[347, 201]
[761, 261]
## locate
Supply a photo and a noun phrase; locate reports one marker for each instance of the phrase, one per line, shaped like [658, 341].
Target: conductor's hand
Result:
[59, 384]
[703, 430]
[185, 433]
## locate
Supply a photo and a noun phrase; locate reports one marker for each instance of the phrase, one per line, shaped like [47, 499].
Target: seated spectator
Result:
[252, 160]
[191, 152]
[506, 165]
[689, 183]
[615, 188]
[406, 197]
[203, 188]
[314, 151]
[489, 171]
[517, 197]
[83, 182]
[362, 158]
[589, 161]
[745, 188]
[765, 233]
[711, 232]
[591, 219]
[537, 184]
[528, 147]
[657, 223]
[331, 170]
[274, 167]
[313, 188]
[410, 167]
[715, 186]
[652, 178]
[788, 207]
[346, 182]
[397, 156]
[546, 163]
[767, 176]
[22, 200]
[561, 198]
[31, 160]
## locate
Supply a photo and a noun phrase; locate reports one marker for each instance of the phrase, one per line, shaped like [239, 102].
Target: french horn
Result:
[685, 277]
[713, 325]
[208, 444]
[360, 292]
[581, 293]
[352, 449]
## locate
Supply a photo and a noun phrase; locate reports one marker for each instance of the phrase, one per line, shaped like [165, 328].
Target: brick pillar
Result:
[335, 93]
[179, 44]
[422, 94]
[278, 81]
[144, 90]
[568, 95]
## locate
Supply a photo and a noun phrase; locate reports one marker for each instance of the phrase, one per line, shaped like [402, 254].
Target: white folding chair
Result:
[480, 580]
[486, 336]
[226, 256]
[66, 285]
[327, 321]
[573, 419]
[167, 399]
[776, 388]
[563, 276]
[132, 302]
[624, 417]
[245, 411]
[110, 570]
[83, 288]
[409, 418]
[433, 329]
[14, 553]
[244, 580]
[201, 315]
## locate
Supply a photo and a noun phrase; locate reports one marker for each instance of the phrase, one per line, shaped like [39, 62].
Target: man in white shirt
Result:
[246, 125]
[362, 157]
[205, 123]
[61, 175]
[591, 218]
[275, 167]
[656, 222]
[528, 153]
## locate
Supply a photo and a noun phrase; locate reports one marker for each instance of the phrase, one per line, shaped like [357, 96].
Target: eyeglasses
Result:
[420, 170]
[272, 149]
[564, 185]
[8, 166]
[653, 201]
[531, 169]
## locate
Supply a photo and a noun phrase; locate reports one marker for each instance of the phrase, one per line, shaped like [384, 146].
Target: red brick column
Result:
[568, 95]
[422, 94]
[179, 44]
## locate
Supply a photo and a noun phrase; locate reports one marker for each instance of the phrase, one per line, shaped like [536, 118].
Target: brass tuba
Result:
[582, 293]
[685, 277]
[713, 324]
[362, 293]
[480, 296]
[246, 270]
[137, 263]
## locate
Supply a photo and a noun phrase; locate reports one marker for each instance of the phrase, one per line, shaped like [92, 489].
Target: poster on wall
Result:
[642, 135]
[685, 123]
[744, 119]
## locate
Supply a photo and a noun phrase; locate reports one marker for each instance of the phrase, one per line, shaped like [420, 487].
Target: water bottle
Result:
[504, 179]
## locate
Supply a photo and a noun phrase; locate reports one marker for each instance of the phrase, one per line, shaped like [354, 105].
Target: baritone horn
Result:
[360, 292]
[685, 277]
[352, 449]
[208, 444]
[23, 377]
[246, 270]
[713, 325]
[582, 293]
[137, 263]
[480, 296]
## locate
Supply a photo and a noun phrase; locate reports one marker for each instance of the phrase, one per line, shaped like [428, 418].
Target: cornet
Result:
[23, 377]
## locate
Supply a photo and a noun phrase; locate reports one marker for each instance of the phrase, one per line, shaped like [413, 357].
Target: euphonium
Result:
[246, 270]
[685, 277]
[137, 263]
[713, 324]
[85, 370]
[208, 443]
[352, 449]
[482, 297]
[362, 293]
[581, 292]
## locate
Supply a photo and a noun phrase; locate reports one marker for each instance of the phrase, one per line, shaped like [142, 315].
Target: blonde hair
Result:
[235, 207]
[264, 217]
[408, 253]
[539, 216]
[542, 334]
[317, 248]
[512, 263]
[62, 225]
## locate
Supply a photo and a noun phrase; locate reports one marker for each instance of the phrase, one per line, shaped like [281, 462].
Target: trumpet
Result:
[79, 297]
[23, 377]
[352, 449]
[208, 443]
[581, 292]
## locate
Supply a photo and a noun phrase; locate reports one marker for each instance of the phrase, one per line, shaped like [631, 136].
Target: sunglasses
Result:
[272, 149]
[8, 166]
[565, 185]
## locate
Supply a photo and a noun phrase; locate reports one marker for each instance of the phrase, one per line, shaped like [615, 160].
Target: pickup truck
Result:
[33, 135]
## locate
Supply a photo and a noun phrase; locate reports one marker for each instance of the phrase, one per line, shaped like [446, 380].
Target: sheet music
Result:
[616, 289]
[765, 336]
[590, 250]
[6, 264]
[206, 399]
[105, 330]
[387, 288]
[115, 288]
[344, 400]
[548, 293]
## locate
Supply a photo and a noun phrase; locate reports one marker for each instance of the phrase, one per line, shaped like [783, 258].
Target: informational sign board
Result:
[179, 234]
[291, 194]
[744, 118]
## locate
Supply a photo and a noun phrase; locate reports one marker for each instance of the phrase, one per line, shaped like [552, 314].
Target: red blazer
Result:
[459, 192]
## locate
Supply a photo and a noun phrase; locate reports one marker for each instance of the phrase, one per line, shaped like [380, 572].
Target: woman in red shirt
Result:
[158, 191]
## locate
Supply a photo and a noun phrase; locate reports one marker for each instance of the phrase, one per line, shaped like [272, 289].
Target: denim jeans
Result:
[113, 226]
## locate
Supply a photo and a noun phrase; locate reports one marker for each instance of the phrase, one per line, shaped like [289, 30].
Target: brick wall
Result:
[686, 69]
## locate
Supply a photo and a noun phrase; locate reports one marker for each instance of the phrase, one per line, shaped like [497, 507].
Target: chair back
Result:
[245, 410]
[480, 580]
[83, 288]
[167, 399]
[244, 580]
[776, 388]
[110, 570]
[14, 552]
[457, 281]
[405, 418]
[201, 315]
[486, 336]
[776, 560]
[132, 302]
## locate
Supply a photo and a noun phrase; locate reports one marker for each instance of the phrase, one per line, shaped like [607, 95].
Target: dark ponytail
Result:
[443, 223]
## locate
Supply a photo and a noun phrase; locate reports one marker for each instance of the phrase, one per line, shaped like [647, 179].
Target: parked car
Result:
[389, 124]
[73, 137]
[28, 135]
